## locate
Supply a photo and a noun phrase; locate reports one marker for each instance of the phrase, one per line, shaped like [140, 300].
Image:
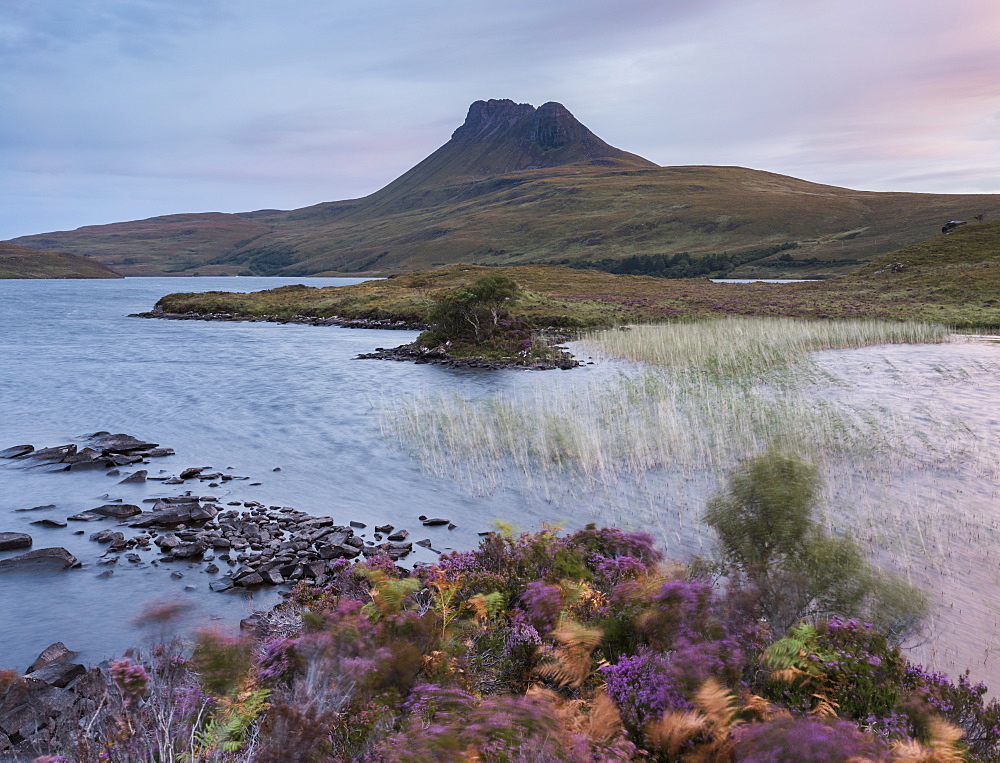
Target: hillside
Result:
[18, 262]
[517, 185]
[953, 279]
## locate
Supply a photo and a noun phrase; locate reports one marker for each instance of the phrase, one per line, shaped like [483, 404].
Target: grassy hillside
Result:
[18, 262]
[571, 213]
[954, 279]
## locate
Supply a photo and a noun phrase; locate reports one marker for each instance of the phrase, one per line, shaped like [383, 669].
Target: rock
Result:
[434, 522]
[16, 451]
[193, 471]
[220, 585]
[272, 576]
[384, 529]
[57, 453]
[106, 574]
[58, 674]
[139, 476]
[40, 558]
[85, 516]
[11, 540]
[175, 515]
[49, 523]
[122, 459]
[39, 508]
[168, 542]
[425, 542]
[358, 525]
[401, 535]
[250, 580]
[117, 510]
[188, 550]
[159, 452]
[118, 443]
[177, 575]
[106, 536]
[452, 525]
[211, 569]
[52, 653]
[84, 457]
[133, 558]
[113, 473]
[275, 469]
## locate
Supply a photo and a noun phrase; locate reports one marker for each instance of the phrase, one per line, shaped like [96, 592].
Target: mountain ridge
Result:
[517, 184]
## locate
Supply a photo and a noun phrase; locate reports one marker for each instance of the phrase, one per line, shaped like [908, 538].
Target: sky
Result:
[114, 110]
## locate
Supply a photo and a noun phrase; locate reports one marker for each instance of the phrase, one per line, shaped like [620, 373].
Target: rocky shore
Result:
[440, 356]
[307, 320]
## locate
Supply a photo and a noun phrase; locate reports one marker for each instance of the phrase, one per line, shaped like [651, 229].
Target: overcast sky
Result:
[116, 110]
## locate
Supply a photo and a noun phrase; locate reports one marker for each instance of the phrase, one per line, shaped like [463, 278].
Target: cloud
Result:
[160, 106]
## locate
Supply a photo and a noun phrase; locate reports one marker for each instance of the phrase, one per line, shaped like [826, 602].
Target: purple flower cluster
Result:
[805, 739]
[643, 687]
[543, 603]
[131, 678]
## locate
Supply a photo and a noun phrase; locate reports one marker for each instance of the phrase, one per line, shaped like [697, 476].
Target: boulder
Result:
[188, 550]
[139, 476]
[107, 536]
[53, 653]
[434, 522]
[10, 541]
[58, 674]
[193, 471]
[222, 584]
[122, 459]
[16, 451]
[40, 558]
[117, 510]
[85, 456]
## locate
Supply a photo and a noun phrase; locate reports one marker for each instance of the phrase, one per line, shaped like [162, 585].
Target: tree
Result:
[770, 540]
[472, 313]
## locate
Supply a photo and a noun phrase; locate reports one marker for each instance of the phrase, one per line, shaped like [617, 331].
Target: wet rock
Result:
[168, 542]
[16, 451]
[58, 674]
[425, 542]
[211, 569]
[39, 508]
[177, 575]
[117, 510]
[118, 443]
[57, 453]
[122, 459]
[434, 522]
[58, 558]
[49, 523]
[85, 457]
[188, 550]
[52, 653]
[193, 471]
[247, 581]
[173, 516]
[106, 574]
[139, 476]
[85, 516]
[220, 585]
[401, 535]
[133, 558]
[10, 541]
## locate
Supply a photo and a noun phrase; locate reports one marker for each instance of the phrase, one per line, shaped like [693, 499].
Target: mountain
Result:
[18, 262]
[517, 184]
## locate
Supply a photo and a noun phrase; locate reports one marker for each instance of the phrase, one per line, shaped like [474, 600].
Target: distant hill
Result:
[517, 184]
[18, 262]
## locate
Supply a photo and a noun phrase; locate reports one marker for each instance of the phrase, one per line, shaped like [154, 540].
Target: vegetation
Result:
[683, 265]
[951, 279]
[18, 262]
[542, 647]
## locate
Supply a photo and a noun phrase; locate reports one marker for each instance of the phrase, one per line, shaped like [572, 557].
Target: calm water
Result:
[255, 396]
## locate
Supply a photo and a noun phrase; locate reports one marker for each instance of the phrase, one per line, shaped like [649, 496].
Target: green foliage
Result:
[389, 594]
[222, 661]
[226, 732]
[472, 314]
[683, 265]
[770, 540]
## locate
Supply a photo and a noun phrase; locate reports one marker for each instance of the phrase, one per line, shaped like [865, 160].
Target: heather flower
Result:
[131, 678]
[522, 634]
[805, 739]
[543, 605]
[643, 687]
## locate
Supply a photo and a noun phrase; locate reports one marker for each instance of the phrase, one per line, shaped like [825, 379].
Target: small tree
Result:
[471, 314]
[770, 540]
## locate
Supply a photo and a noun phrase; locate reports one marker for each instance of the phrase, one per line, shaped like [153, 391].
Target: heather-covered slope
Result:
[18, 262]
[517, 185]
